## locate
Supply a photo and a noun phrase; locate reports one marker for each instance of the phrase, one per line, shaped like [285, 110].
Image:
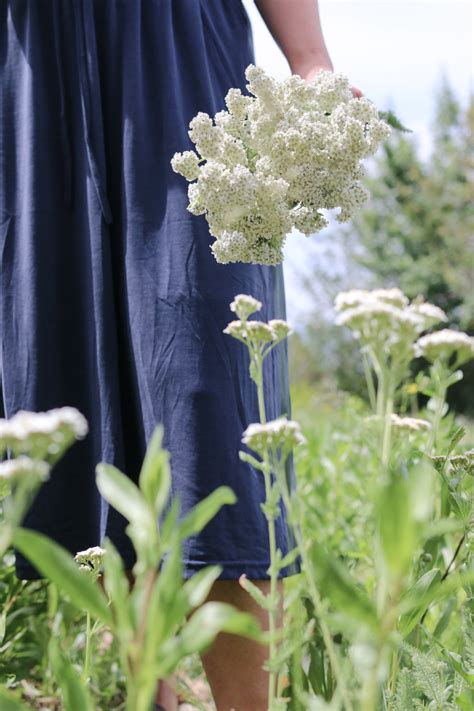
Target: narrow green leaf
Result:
[169, 529]
[344, 594]
[155, 474]
[117, 587]
[255, 592]
[10, 703]
[290, 557]
[58, 565]
[397, 528]
[75, 695]
[122, 494]
[416, 599]
[197, 587]
[205, 510]
[200, 631]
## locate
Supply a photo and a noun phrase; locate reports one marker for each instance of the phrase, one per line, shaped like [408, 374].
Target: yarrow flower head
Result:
[446, 345]
[410, 424]
[402, 425]
[255, 334]
[273, 159]
[384, 320]
[244, 305]
[279, 434]
[90, 560]
[359, 297]
[280, 328]
[14, 469]
[40, 434]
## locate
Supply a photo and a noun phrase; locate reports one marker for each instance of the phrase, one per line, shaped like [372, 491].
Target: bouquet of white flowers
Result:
[275, 158]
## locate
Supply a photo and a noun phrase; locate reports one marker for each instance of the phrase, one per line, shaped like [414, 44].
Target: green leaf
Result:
[246, 457]
[75, 695]
[397, 528]
[260, 598]
[155, 475]
[10, 703]
[58, 565]
[122, 494]
[205, 510]
[168, 603]
[198, 587]
[169, 527]
[117, 586]
[344, 594]
[316, 671]
[465, 701]
[416, 600]
[290, 557]
[200, 631]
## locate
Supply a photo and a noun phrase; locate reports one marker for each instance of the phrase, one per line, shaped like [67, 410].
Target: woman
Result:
[111, 298]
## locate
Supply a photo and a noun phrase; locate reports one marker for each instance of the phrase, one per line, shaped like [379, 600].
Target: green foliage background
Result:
[416, 232]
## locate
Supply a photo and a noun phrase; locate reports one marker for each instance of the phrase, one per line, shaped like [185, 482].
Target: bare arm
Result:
[296, 27]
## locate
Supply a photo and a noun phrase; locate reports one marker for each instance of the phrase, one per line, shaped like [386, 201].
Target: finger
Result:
[357, 94]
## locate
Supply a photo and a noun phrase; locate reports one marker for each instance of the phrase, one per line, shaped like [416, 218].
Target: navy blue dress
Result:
[111, 299]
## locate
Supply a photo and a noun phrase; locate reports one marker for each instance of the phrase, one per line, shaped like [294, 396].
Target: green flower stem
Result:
[371, 689]
[274, 602]
[387, 425]
[87, 654]
[441, 399]
[139, 695]
[370, 382]
[279, 466]
[15, 507]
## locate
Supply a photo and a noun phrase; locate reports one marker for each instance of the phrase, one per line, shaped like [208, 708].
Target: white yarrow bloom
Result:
[42, 433]
[428, 314]
[385, 320]
[446, 344]
[90, 560]
[244, 305]
[358, 297]
[274, 159]
[410, 424]
[13, 469]
[280, 328]
[280, 433]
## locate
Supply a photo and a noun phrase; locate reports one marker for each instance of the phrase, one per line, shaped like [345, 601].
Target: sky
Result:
[396, 52]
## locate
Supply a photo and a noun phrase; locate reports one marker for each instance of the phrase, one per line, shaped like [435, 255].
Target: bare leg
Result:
[233, 664]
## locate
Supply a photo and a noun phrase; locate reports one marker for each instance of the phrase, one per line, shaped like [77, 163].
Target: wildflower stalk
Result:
[88, 649]
[273, 607]
[293, 518]
[369, 381]
[387, 424]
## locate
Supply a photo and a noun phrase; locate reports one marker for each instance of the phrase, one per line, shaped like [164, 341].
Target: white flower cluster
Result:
[274, 159]
[401, 425]
[409, 424]
[90, 560]
[384, 319]
[446, 344]
[254, 333]
[245, 305]
[11, 469]
[276, 434]
[35, 436]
